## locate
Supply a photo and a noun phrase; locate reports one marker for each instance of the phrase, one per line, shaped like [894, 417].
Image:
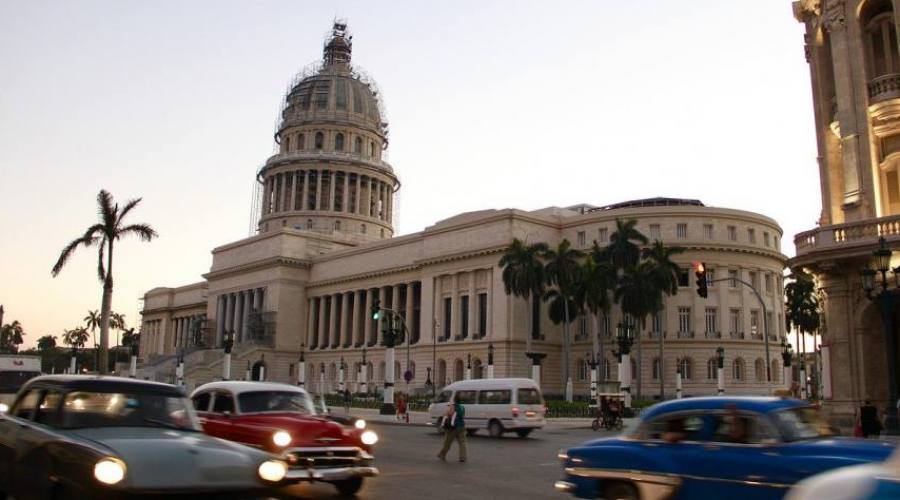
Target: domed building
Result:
[295, 298]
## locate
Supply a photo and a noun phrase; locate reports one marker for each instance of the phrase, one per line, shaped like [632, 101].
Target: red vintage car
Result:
[281, 419]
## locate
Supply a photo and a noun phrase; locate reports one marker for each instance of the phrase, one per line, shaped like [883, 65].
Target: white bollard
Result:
[226, 366]
[301, 373]
[788, 375]
[388, 379]
[720, 377]
[536, 374]
[363, 383]
[593, 385]
[625, 378]
[803, 383]
[132, 368]
[678, 394]
[72, 366]
[490, 371]
[262, 372]
[468, 373]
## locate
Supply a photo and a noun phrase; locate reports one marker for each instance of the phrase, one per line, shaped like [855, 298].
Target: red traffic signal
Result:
[700, 272]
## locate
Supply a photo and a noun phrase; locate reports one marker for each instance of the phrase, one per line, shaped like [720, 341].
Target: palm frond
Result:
[106, 210]
[127, 208]
[144, 231]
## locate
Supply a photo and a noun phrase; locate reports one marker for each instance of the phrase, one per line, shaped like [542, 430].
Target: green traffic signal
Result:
[376, 310]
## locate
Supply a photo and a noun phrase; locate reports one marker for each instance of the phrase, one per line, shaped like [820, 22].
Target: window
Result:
[357, 145]
[708, 231]
[582, 327]
[754, 279]
[734, 316]
[684, 321]
[687, 368]
[754, 324]
[222, 403]
[448, 312]
[751, 235]
[581, 238]
[337, 225]
[582, 369]
[880, 39]
[464, 316]
[444, 396]
[320, 140]
[655, 375]
[47, 412]
[684, 277]
[482, 315]
[339, 142]
[654, 232]
[27, 404]
[495, 397]
[711, 330]
[372, 148]
[529, 397]
[201, 401]
[363, 229]
[768, 283]
[301, 142]
[759, 368]
[739, 371]
[766, 238]
[733, 276]
[732, 233]
[681, 230]
[605, 326]
[656, 323]
[287, 143]
[322, 101]
[309, 223]
[690, 426]
[710, 277]
[469, 397]
[740, 429]
[357, 102]
[712, 369]
[340, 98]
[603, 235]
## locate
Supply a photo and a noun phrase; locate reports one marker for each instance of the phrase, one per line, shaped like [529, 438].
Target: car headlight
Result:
[369, 438]
[281, 438]
[360, 424]
[109, 470]
[5, 408]
[272, 470]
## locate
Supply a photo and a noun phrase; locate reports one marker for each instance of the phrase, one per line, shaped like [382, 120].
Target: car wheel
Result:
[620, 491]
[523, 433]
[471, 432]
[495, 429]
[349, 487]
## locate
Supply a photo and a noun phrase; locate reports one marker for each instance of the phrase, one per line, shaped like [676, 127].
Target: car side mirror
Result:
[226, 414]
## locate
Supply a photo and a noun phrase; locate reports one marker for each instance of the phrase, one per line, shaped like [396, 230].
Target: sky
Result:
[491, 104]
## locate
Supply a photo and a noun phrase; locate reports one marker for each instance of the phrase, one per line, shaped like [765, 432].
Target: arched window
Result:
[477, 368]
[357, 145]
[458, 372]
[362, 229]
[398, 373]
[258, 372]
[739, 371]
[655, 368]
[759, 366]
[687, 368]
[712, 369]
[606, 369]
[320, 140]
[309, 223]
[372, 148]
[287, 143]
[301, 142]
[633, 369]
[339, 142]
[776, 371]
[440, 378]
[880, 38]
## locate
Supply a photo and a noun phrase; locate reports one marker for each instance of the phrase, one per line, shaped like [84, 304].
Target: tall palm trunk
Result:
[566, 349]
[662, 367]
[105, 308]
[638, 322]
[597, 345]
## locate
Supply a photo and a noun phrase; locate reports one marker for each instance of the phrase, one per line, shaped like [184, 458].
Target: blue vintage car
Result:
[715, 447]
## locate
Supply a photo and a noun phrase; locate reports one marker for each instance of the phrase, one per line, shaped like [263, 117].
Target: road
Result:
[496, 468]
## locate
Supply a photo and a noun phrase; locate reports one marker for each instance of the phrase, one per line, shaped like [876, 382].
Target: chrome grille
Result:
[324, 457]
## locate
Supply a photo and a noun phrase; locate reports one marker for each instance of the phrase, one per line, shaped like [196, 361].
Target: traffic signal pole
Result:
[390, 337]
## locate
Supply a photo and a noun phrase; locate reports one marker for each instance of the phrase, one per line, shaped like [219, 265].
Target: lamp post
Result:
[490, 367]
[301, 367]
[468, 366]
[624, 341]
[132, 365]
[720, 370]
[592, 363]
[886, 300]
[179, 369]
[364, 369]
[341, 375]
[678, 394]
[428, 382]
[228, 344]
[786, 356]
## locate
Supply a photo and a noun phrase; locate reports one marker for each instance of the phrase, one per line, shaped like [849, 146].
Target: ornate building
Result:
[325, 252]
[852, 51]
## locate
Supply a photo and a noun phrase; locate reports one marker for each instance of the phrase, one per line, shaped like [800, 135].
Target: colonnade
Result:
[343, 319]
[462, 307]
[328, 190]
[233, 313]
[182, 330]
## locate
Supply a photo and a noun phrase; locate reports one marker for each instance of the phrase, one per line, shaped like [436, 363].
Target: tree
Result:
[523, 274]
[76, 337]
[46, 343]
[667, 273]
[593, 293]
[104, 234]
[624, 250]
[563, 271]
[640, 294]
[92, 322]
[11, 337]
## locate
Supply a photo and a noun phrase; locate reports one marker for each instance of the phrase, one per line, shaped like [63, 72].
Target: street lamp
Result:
[490, 368]
[624, 341]
[720, 369]
[786, 358]
[886, 300]
[592, 363]
[301, 367]
[228, 344]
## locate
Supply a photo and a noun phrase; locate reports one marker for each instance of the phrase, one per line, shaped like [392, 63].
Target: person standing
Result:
[454, 425]
[868, 419]
[348, 399]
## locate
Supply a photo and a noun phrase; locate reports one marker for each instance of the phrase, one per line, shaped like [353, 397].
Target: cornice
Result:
[256, 265]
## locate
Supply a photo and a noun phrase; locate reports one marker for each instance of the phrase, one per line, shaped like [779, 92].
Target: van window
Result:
[443, 397]
[465, 397]
[496, 397]
[529, 397]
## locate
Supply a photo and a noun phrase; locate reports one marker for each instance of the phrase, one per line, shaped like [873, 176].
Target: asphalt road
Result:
[496, 468]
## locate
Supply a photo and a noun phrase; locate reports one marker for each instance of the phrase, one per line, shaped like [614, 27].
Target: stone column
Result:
[332, 186]
[346, 337]
[395, 298]
[367, 324]
[354, 323]
[333, 334]
[229, 313]
[318, 200]
[304, 200]
[720, 380]
[625, 378]
[238, 314]
[678, 383]
[408, 310]
[473, 305]
[245, 319]
[284, 191]
[390, 204]
[345, 197]
[258, 299]
[323, 335]
[358, 195]
[382, 296]
[454, 307]
[310, 323]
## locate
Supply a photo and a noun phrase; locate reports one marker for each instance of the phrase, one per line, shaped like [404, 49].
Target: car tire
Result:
[349, 487]
[620, 491]
[523, 433]
[495, 429]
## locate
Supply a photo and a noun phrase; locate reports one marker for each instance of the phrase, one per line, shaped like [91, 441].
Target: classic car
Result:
[79, 436]
[875, 481]
[713, 447]
[282, 419]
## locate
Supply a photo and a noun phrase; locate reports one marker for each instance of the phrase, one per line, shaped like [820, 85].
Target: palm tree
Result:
[667, 273]
[801, 307]
[523, 274]
[104, 234]
[623, 249]
[46, 343]
[92, 321]
[11, 337]
[562, 270]
[76, 337]
[593, 294]
[639, 294]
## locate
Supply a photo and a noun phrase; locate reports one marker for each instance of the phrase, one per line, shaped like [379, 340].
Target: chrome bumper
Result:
[331, 474]
[564, 487]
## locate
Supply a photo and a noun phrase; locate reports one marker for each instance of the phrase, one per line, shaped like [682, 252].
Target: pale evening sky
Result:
[492, 104]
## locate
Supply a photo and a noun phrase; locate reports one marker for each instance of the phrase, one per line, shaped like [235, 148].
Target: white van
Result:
[498, 405]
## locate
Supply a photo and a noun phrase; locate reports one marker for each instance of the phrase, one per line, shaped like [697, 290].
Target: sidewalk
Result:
[421, 419]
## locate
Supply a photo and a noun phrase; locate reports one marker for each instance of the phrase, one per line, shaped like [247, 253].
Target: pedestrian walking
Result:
[401, 407]
[348, 400]
[868, 420]
[454, 425]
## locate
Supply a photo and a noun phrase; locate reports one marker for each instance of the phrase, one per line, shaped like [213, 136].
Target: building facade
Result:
[325, 252]
[852, 51]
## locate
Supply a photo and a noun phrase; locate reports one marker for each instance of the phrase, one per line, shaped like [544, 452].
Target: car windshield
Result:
[801, 423]
[115, 409]
[11, 381]
[263, 401]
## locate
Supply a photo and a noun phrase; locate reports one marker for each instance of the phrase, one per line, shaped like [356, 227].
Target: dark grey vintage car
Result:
[108, 437]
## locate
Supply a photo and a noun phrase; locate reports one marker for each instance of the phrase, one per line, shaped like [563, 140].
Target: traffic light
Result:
[376, 310]
[700, 272]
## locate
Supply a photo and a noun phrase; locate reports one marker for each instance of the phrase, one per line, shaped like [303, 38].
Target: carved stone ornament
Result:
[835, 15]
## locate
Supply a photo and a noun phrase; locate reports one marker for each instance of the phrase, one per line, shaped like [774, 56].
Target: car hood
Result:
[860, 450]
[169, 458]
[305, 430]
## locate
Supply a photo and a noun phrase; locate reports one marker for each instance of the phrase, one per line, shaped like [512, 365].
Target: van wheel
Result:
[621, 491]
[523, 433]
[495, 429]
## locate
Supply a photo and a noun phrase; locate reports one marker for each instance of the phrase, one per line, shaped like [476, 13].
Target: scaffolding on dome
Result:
[649, 202]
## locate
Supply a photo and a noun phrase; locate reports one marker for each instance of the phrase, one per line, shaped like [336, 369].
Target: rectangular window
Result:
[710, 277]
[656, 323]
[482, 315]
[581, 239]
[765, 238]
[495, 397]
[733, 275]
[464, 316]
[448, 313]
[605, 327]
[684, 321]
[684, 277]
[708, 231]
[681, 230]
[735, 323]
[582, 327]
[603, 235]
[754, 280]
[711, 330]
[466, 397]
[770, 325]
[754, 324]
[654, 232]
[340, 98]
[732, 233]
[768, 283]
[751, 235]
